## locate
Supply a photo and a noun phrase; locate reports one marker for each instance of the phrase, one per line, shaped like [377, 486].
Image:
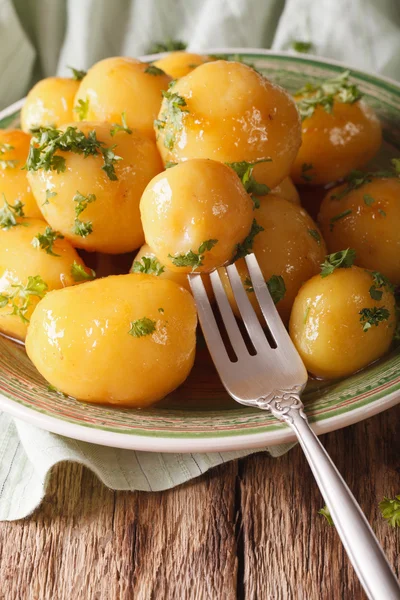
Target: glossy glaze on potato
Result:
[19, 259]
[79, 339]
[325, 323]
[50, 103]
[121, 85]
[285, 189]
[368, 220]
[196, 201]
[14, 149]
[115, 213]
[231, 114]
[179, 64]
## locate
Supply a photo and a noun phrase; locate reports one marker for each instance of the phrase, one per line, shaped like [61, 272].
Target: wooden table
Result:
[249, 529]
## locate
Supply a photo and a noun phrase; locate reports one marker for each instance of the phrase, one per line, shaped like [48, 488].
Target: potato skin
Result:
[78, 339]
[179, 64]
[372, 230]
[50, 103]
[336, 143]
[19, 260]
[233, 114]
[13, 181]
[120, 85]
[284, 248]
[190, 203]
[325, 323]
[285, 189]
[115, 212]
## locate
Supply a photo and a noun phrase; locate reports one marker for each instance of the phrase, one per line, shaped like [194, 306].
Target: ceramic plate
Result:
[200, 416]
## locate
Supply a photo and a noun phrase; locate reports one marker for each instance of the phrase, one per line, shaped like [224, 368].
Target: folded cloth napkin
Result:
[41, 37]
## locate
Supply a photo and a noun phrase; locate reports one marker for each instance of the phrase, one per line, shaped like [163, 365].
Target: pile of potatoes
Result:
[190, 162]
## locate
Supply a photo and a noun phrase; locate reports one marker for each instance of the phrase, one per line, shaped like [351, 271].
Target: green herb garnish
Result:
[390, 509]
[247, 245]
[324, 511]
[171, 117]
[368, 199]
[9, 214]
[82, 228]
[305, 167]
[77, 74]
[20, 299]
[380, 281]
[168, 46]
[153, 70]
[49, 195]
[7, 164]
[142, 327]
[52, 388]
[300, 46]
[245, 172]
[46, 240]
[373, 316]
[149, 265]
[338, 260]
[79, 273]
[82, 202]
[315, 235]
[338, 217]
[169, 164]
[193, 259]
[82, 109]
[117, 127]
[381, 212]
[277, 288]
[325, 94]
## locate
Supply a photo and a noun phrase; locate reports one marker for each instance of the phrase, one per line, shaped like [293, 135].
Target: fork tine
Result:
[247, 312]
[208, 323]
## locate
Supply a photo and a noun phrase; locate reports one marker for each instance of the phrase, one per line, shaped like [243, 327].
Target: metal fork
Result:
[273, 379]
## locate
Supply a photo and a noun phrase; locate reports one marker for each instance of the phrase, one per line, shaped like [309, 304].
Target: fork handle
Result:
[358, 539]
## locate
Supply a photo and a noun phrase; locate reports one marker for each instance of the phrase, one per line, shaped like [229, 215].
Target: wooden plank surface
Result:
[245, 530]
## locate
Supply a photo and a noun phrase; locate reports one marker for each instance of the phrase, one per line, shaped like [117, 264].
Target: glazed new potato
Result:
[94, 200]
[126, 340]
[32, 261]
[50, 103]
[14, 149]
[122, 86]
[195, 214]
[289, 247]
[337, 327]
[340, 132]
[228, 112]
[178, 64]
[367, 219]
[286, 189]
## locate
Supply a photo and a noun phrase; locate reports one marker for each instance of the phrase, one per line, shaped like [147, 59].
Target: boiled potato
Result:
[178, 64]
[290, 247]
[335, 142]
[110, 219]
[337, 327]
[50, 103]
[227, 111]
[27, 272]
[125, 339]
[195, 214]
[286, 189]
[14, 149]
[368, 220]
[122, 86]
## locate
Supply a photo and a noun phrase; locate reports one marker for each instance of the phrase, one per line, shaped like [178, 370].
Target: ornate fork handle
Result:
[357, 536]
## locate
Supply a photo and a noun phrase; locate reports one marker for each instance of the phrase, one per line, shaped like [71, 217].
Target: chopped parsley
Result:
[338, 217]
[248, 285]
[373, 316]
[20, 299]
[168, 46]
[6, 164]
[275, 284]
[82, 202]
[117, 127]
[77, 74]
[161, 310]
[82, 109]
[82, 228]
[245, 172]
[381, 212]
[338, 89]
[46, 240]
[368, 199]
[142, 327]
[315, 235]
[79, 273]
[338, 260]
[9, 213]
[390, 509]
[171, 118]
[153, 70]
[305, 168]
[169, 164]
[396, 165]
[380, 281]
[356, 179]
[48, 140]
[193, 259]
[247, 245]
[324, 511]
[300, 46]
[49, 195]
[149, 265]
[52, 388]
